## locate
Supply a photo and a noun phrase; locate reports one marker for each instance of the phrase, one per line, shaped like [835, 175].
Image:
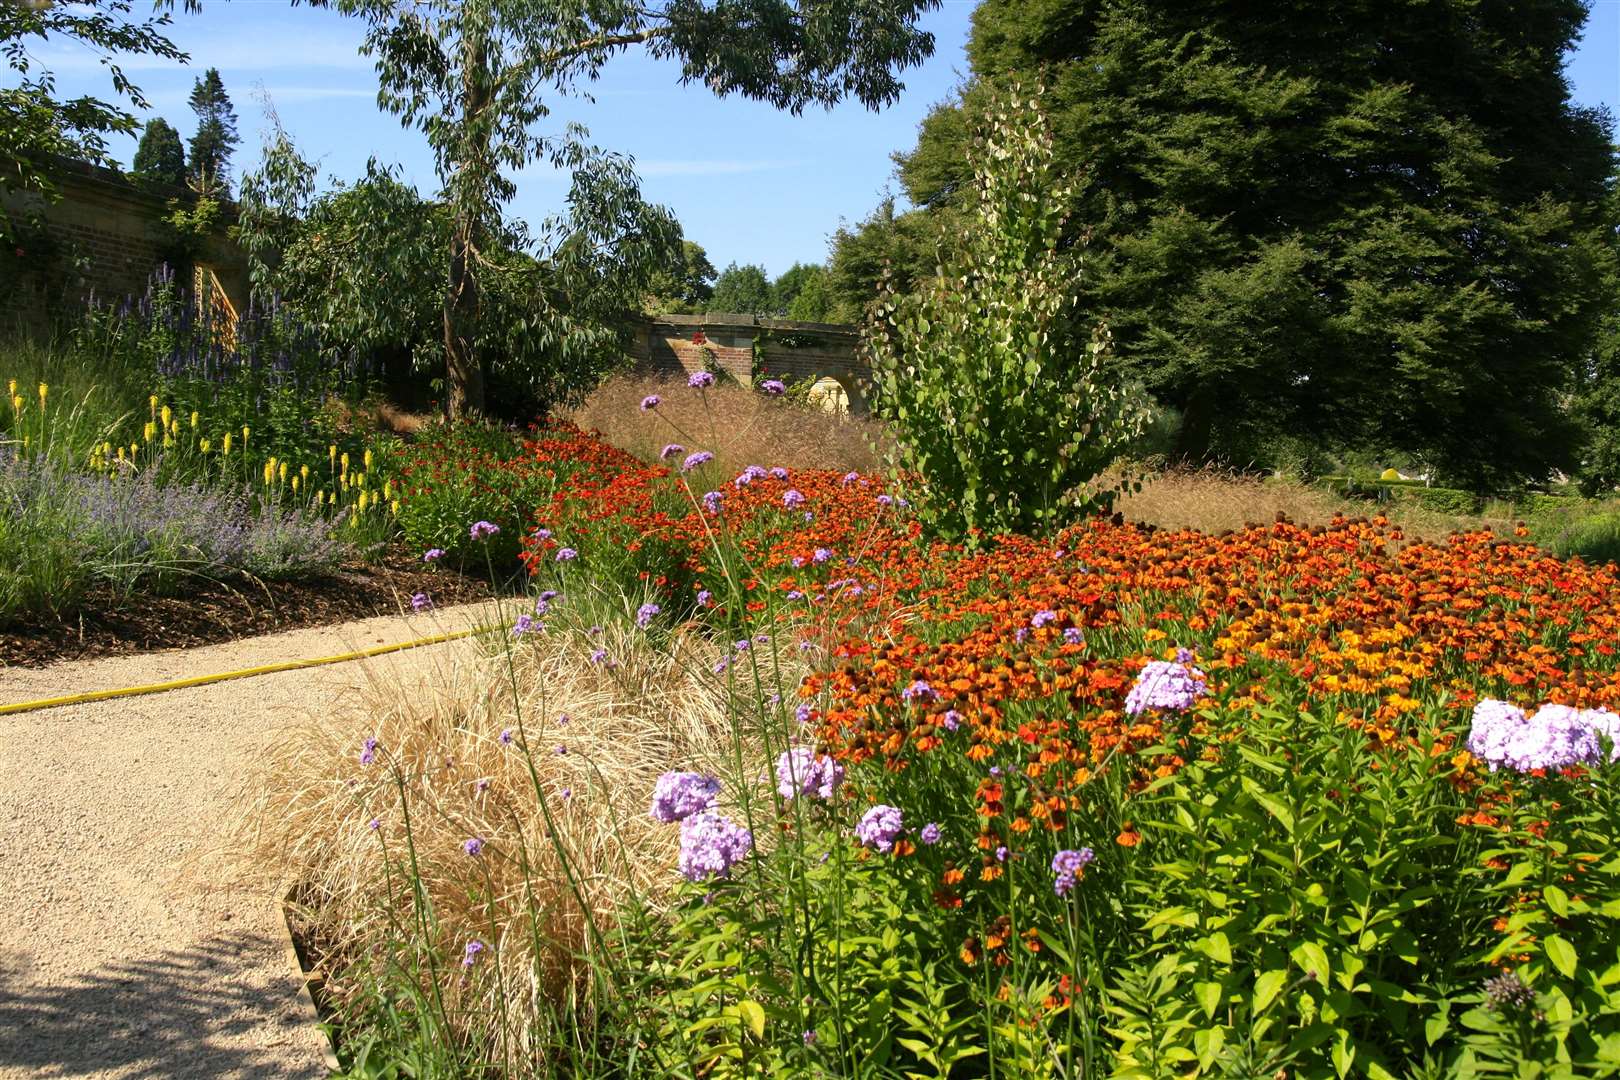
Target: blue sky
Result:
[749, 183]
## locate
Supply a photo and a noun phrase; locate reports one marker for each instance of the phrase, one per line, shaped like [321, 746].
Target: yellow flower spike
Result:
[195, 416]
[360, 481]
[11, 387]
[388, 489]
[225, 444]
[151, 404]
[394, 506]
[282, 472]
[269, 472]
[331, 452]
[134, 449]
[344, 462]
[354, 521]
[303, 470]
[167, 414]
[368, 459]
[120, 453]
[168, 441]
[295, 485]
[16, 403]
[148, 430]
[44, 389]
[203, 445]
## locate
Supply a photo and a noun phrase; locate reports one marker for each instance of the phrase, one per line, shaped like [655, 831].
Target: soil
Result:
[214, 612]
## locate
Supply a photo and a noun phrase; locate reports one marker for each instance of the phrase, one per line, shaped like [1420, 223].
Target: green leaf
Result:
[753, 1015]
[1208, 1043]
[1267, 987]
[1209, 996]
[1277, 808]
[1313, 959]
[1344, 1055]
[1557, 899]
[1561, 953]
[1216, 947]
[1436, 1026]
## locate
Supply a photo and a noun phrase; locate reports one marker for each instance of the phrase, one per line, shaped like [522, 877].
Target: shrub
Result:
[1000, 408]
[1596, 539]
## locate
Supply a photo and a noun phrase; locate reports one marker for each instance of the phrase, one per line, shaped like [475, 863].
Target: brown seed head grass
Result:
[740, 426]
[551, 865]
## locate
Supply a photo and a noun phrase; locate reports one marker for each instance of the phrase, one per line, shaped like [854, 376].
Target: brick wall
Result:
[790, 351]
[103, 237]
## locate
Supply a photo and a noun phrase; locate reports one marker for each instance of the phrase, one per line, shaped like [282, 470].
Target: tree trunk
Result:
[463, 370]
[465, 375]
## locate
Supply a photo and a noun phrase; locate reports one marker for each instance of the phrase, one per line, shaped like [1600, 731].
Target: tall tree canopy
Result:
[473, 76]
[159, 159]
[216, 137]
[685, 288]
[743, 290]
[1366, 222]
[37, 127]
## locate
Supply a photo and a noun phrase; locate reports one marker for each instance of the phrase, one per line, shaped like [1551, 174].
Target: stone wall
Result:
[104, 237]
[791, 351]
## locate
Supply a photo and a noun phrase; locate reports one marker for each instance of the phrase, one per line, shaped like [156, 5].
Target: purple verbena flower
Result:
[566, 554]
[880, 827]
[473, 846]
[421, 601]
[700, 380]
[712, 501]
[778, 473]
[1165, 684]
[368, 751]
[802, 771]
[930, 833]
[850, 478]
[693, 460]
[1043, 618]
[482, 529]
[748, 476]
[820, 555]
[672, 450]
[773, 387]
[469, 956]
[650, 402]
[919, 691]
[523, 625]
[1073, 635]
[433, 554]
[645, 614]
[792, 498]
[703, 597]
[711, 844]
[1068, 866]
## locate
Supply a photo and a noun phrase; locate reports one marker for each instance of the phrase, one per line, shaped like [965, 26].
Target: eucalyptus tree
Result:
[476, 77]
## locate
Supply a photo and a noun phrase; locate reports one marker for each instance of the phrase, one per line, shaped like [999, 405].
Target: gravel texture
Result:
[131, 943]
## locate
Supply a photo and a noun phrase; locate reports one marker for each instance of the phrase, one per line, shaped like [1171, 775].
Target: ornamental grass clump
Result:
[999, 404]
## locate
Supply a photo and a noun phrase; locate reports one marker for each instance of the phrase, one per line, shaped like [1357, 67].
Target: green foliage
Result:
[1388, 229]
[1595, 539]
[684, 290]
[159, 159]
[209, 170]
[904, 246]
[999, 407]
[36, 128]
[742, 290]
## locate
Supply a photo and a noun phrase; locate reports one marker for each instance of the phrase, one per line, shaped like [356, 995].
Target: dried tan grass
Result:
[1214, 500]
[738, 425]
[656, 709]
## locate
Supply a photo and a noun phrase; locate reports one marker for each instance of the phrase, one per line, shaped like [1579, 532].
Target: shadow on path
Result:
[174, 1015]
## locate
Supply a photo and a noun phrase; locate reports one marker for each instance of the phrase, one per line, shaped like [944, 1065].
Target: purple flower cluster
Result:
[712, 501]
[1166, 684]
[524, 624]
[802, 771]
[1556, 737]
[930, 833]
[368, 751]
[700, 380]
[470, 956]
[791, 498]
[919, 691]
[567, 554]
[1043, 618]
[483, 529]
[679, 795]
[778, 473]
[650, 402]
[749, 475]
[645, 614]
[1068, 865]
[473, 846]
[674, 449]
[433, 554]
[880, 827]
[773, 387]
[711, 844]
[421, 601]
[693, 460]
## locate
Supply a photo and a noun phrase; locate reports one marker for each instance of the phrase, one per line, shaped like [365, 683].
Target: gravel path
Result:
[129, 945]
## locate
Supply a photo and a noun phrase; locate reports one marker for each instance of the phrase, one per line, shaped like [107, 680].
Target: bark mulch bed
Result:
[212, 612]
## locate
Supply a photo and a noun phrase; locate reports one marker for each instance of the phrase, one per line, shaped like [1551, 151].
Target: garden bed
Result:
[216, 611]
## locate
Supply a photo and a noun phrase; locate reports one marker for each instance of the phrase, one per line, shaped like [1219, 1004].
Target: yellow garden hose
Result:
[204, 680]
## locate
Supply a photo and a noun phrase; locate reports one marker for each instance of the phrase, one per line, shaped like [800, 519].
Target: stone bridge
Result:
[743, 346]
